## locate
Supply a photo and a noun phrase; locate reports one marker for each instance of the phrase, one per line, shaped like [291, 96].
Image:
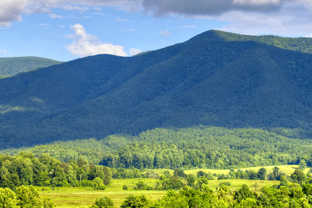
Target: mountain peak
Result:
[294, 44]
[215, 79]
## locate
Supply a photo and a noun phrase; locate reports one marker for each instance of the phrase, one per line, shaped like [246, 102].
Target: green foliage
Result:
[191, 180]
[243, 193]
[135, 202]
[125, 187]
[200, 183]
[7, 198]
[188, 197]
[215, 79]
[298, 176]
[262, 174]
[103, 202]
[183, 149]
[302, 165]
[29, 197]
[23, 197]
[208, 176]
[173, 182]
[26, 169]
[13, 66]
[294, 44]
[225, 183]
[142, 186]
[98, 184]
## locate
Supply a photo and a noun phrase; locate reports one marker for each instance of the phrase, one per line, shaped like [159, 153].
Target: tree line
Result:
[26, 169]
[187, 148]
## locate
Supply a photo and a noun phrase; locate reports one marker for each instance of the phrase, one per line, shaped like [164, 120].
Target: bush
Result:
[225, 183]
[104, 202]
[135, 201]
[98, 184]
[125, 187]
[85, 183]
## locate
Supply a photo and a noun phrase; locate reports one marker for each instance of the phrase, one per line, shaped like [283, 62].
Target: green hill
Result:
[209, 80]
[13, 66]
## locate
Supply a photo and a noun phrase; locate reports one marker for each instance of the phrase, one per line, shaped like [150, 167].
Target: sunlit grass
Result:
[288, 169]
[85, 196]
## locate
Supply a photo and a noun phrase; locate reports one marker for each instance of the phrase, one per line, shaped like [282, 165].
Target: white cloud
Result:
[189, 26]
[134, 51]
[42, 24]
[3, 51]
[55, 16]
[88, 45]
[87, 17]
[307, 36]
[70, 7]
[293, 19]
[165, 33]
[98, 8]
[300, 13]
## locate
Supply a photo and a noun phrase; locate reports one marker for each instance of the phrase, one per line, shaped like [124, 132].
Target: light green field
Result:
[85, 197]
[288, 169]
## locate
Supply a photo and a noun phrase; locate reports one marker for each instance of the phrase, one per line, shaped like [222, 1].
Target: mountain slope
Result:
[293, 44]
[13, 66]
[204, 81]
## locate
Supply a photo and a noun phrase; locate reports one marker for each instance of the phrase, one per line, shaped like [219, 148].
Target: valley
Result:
[214, 117]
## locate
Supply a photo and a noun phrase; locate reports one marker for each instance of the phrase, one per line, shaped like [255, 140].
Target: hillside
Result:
[13, 66]
[207, 80]
[194, 147]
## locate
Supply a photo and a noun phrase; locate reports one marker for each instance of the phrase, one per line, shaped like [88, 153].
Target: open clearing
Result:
[85, 196]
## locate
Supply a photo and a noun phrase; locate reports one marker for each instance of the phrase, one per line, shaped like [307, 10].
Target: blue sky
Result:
[65, 30]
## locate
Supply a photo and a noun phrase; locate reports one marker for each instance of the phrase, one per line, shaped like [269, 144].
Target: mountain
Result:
[211, 80]
[13, 66]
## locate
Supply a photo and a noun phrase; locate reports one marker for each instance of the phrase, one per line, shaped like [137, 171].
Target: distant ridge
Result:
[214, 79]
[294, 44]
[15, 65]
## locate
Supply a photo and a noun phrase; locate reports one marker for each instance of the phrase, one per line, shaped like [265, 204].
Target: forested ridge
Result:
[15, 65]
[187, 148]
[214, 79]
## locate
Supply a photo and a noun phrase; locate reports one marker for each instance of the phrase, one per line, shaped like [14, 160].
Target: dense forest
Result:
[293, 44]
[187, 148]
[13, 66]
[26, 169]
[215, 79]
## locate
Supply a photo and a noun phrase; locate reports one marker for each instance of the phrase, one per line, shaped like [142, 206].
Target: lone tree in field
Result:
[302, 165]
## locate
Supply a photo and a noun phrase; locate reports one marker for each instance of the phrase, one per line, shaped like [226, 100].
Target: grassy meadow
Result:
[85, 196]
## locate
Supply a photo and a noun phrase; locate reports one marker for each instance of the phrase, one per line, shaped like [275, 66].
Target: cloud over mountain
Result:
[87, 45]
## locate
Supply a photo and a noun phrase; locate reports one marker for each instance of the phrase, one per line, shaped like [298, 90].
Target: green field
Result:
[85, 197]
[288, 169]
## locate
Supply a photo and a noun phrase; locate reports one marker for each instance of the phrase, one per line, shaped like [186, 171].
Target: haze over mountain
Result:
[215, 78]
[15, 65]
